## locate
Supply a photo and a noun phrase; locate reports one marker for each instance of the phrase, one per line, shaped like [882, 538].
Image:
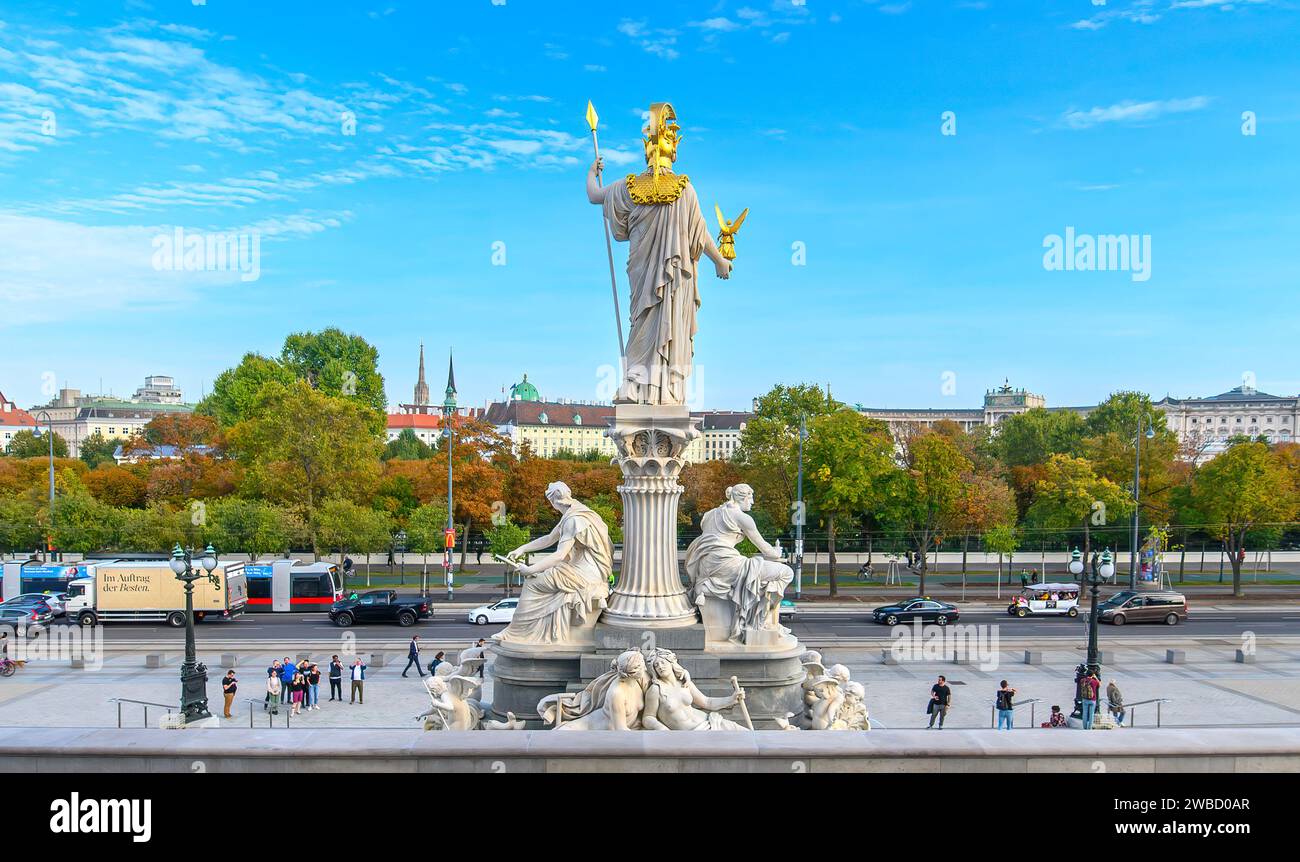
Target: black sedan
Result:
[380, 606]
[925, 609]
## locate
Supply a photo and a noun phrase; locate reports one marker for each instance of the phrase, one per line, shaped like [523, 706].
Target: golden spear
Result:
[592, 120]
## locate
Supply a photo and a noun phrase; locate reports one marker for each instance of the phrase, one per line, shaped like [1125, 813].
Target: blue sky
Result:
[924, 251]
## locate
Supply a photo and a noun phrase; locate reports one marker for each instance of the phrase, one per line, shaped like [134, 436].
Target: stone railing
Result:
[31, 749]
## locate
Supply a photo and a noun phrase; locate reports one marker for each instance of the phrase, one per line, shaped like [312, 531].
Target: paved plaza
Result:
[1209, 689]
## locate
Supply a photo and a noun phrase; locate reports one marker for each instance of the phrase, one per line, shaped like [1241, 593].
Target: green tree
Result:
[18, 528]
[1032, 437]
[236, 390]
[302, 447]
[1002, 539]
[503, 537]
[768, 456]
[153, 530]
[25, 444]
[424, 532]
[924, 500]
[97, 449]
[848, 458]
[1071, 496]
[344, 526]
[82, 524]
[338, 364]
[251, 526]
[407, 447]
[1244, 488]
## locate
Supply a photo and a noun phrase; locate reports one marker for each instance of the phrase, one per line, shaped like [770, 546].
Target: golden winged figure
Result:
[728, 230]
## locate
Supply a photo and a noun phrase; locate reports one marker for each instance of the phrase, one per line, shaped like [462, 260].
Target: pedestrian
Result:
[297, 688]
[287, 670]
[336, 678]
[1089, 686]
[940, 700]
[358, 682]
[229, 686]
[313, 687]
[1115, 700]
[413, 656]
[1006, 702]
[481, 644]
[273, 688]
[1057, 718]
[433, 665]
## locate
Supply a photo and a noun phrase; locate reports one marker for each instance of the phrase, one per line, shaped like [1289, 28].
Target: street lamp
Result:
[1091, 664]
[36, 432]
[1137, 464]
[194, 676]
[448, 412]
[799, 516]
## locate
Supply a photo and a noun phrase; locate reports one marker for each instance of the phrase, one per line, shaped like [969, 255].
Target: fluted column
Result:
[650, 440]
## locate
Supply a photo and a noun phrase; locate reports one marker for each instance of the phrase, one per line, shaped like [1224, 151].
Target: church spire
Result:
[421, 388]
[450, 401]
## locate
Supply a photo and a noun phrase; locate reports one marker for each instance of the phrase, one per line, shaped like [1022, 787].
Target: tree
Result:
[705, 487]
[768, 456]
[1001, 539]
[1113, 431]
[302, 447]
[251, 526]
[924, 500]
[985, 503]
[424, 532]
[236, 390]
[1245, 487]
[82, 524]
[1034, 436]
[338, 364]
[848, 457]
[502, 538]
[343, 526]
[96, 449]
[396, 496]
[125, 486]
[154, 529]
[407, 447]
[1071, 496]
[25, 444]
[18, 528]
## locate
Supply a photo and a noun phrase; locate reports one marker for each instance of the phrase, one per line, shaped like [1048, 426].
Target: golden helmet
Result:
[662, 135]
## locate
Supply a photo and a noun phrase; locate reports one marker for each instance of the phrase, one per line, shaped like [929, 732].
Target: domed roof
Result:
[524, 391]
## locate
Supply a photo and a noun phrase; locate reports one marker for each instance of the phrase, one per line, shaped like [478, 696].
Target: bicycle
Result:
[8, 667]
[866, 574]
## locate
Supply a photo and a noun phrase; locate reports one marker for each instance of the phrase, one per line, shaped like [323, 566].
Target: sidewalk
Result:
[1208, 690]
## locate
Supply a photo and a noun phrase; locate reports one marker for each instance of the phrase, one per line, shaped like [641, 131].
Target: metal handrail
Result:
[993, 710]
[1158, 701]
[270, 716]
[145, 703]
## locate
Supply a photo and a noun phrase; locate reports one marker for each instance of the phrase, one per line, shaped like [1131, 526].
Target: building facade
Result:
[12, 420]
[76, 417]
[158, 389]
[1205, 425]
[998, 405]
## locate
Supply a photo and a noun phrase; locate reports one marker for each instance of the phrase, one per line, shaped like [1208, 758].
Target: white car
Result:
[501, 612]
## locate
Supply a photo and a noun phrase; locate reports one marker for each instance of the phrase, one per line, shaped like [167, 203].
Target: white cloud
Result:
[1131, 112]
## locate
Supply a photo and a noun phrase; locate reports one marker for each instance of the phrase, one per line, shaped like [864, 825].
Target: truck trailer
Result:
[148, 591]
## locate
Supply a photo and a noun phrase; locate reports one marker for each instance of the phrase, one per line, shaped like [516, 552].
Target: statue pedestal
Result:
[650, 439]
[772, 676]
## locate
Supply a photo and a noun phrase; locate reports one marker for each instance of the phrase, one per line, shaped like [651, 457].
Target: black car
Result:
[923, 608]
[380, 606]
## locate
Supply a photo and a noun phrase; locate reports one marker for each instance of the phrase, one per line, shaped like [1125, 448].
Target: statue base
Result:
[771, 676]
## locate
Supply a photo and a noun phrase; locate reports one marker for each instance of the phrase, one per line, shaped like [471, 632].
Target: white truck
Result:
[148, 591]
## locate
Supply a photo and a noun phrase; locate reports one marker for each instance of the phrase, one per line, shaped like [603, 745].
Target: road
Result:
[811, 626]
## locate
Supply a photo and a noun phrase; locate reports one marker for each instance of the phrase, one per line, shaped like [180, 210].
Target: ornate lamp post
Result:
[36, 432]
[1091, 664]
[194, 676]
